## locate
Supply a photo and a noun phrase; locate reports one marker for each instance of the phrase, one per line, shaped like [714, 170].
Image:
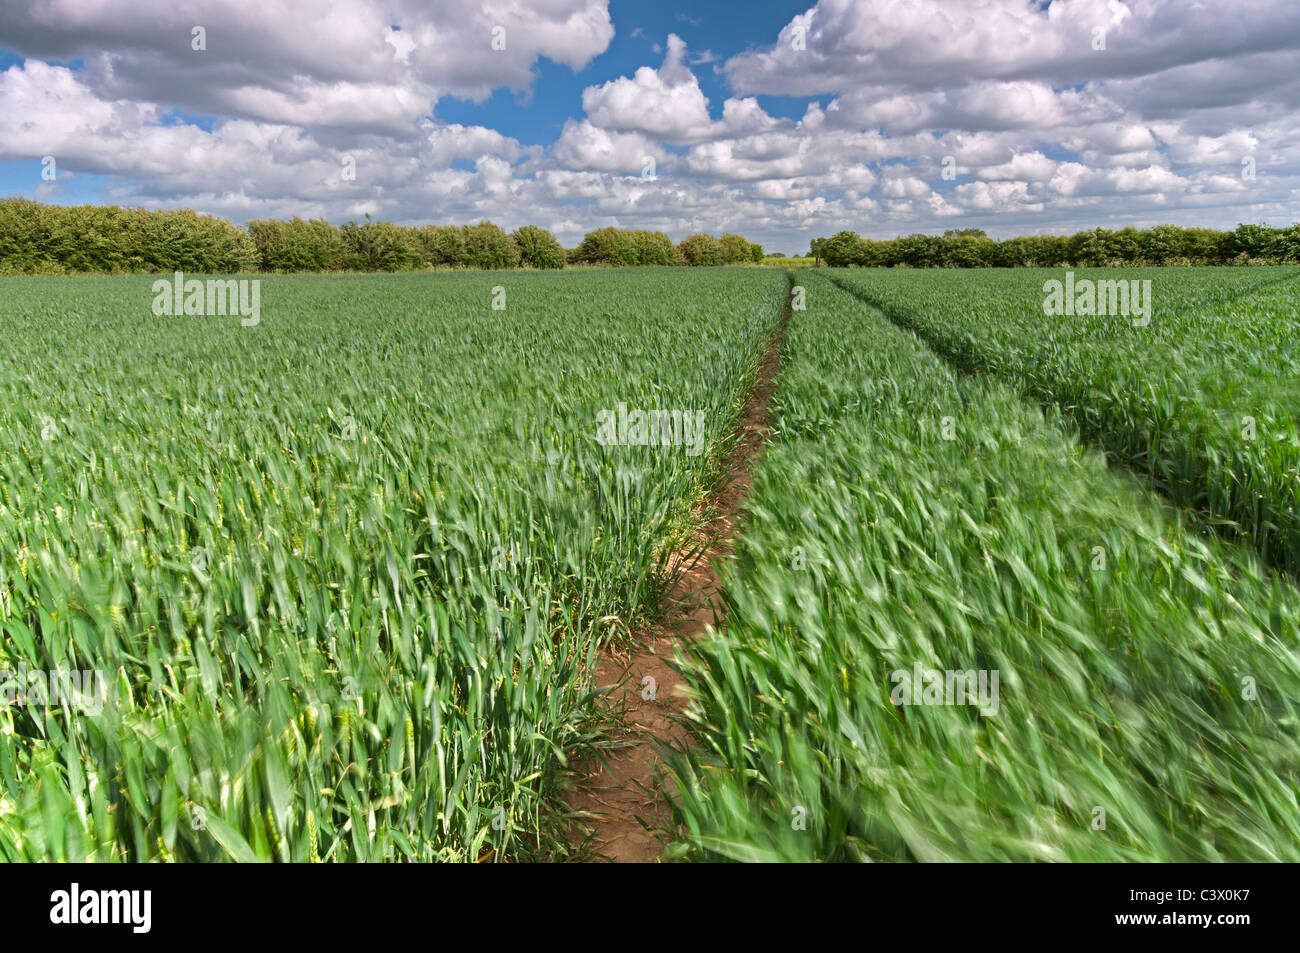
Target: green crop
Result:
[1204, 400]
[345, 572]
[905, 516]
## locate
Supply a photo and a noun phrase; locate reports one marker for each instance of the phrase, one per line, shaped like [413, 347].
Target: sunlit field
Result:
[1011, 584]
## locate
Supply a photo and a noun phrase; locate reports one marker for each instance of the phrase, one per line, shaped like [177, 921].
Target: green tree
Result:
[488, 247]
[1253, 242]
[655, 248]
[737, 249]
[378, 246]
[702, 249]
[443, 245]
[608, 246]
[538, 247]
[968, 251]
[297, 245]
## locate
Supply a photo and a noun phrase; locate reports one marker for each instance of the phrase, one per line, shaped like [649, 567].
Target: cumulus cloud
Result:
[1022, 167]
[583, 145]
[302, 48]
[668, 104]
[1011, 115]
[924, 44]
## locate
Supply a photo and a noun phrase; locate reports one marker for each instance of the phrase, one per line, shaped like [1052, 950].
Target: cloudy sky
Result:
[778, 120]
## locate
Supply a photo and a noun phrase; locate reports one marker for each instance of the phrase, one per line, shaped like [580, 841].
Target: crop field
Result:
[344, 571]
[905, 517]
[346, 574]
[1204, 399]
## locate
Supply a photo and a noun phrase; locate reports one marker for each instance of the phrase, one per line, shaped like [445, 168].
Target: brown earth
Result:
[621, 801]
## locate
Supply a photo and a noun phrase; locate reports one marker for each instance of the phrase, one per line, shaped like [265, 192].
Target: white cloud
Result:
[585, 146]
[1026, 166]
[904, 186]
[666, 103]
[995, 196]
[1043, 131]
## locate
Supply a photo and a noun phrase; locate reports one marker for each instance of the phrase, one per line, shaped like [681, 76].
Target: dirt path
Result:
[626, 787]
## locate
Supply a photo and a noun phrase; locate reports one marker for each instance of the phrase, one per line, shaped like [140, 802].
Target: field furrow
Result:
[343, 574]
[1203, 400]
[954, 634]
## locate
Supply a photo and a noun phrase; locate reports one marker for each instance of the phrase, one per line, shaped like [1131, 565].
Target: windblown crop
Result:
[907, 518]
[1204, 400]
[344, 571]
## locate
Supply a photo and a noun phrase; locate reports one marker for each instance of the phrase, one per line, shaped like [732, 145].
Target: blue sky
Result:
[718, 31]
[782, 121]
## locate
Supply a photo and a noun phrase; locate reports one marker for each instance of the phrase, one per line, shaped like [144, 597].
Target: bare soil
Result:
[621, 800]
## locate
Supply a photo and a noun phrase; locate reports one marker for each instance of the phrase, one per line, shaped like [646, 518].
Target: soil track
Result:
[622, 799]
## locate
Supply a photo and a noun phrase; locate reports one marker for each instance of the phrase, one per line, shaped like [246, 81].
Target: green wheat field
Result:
[345, 574]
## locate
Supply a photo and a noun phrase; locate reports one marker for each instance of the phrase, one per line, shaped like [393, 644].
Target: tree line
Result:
[971, 248]
[55, 239]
